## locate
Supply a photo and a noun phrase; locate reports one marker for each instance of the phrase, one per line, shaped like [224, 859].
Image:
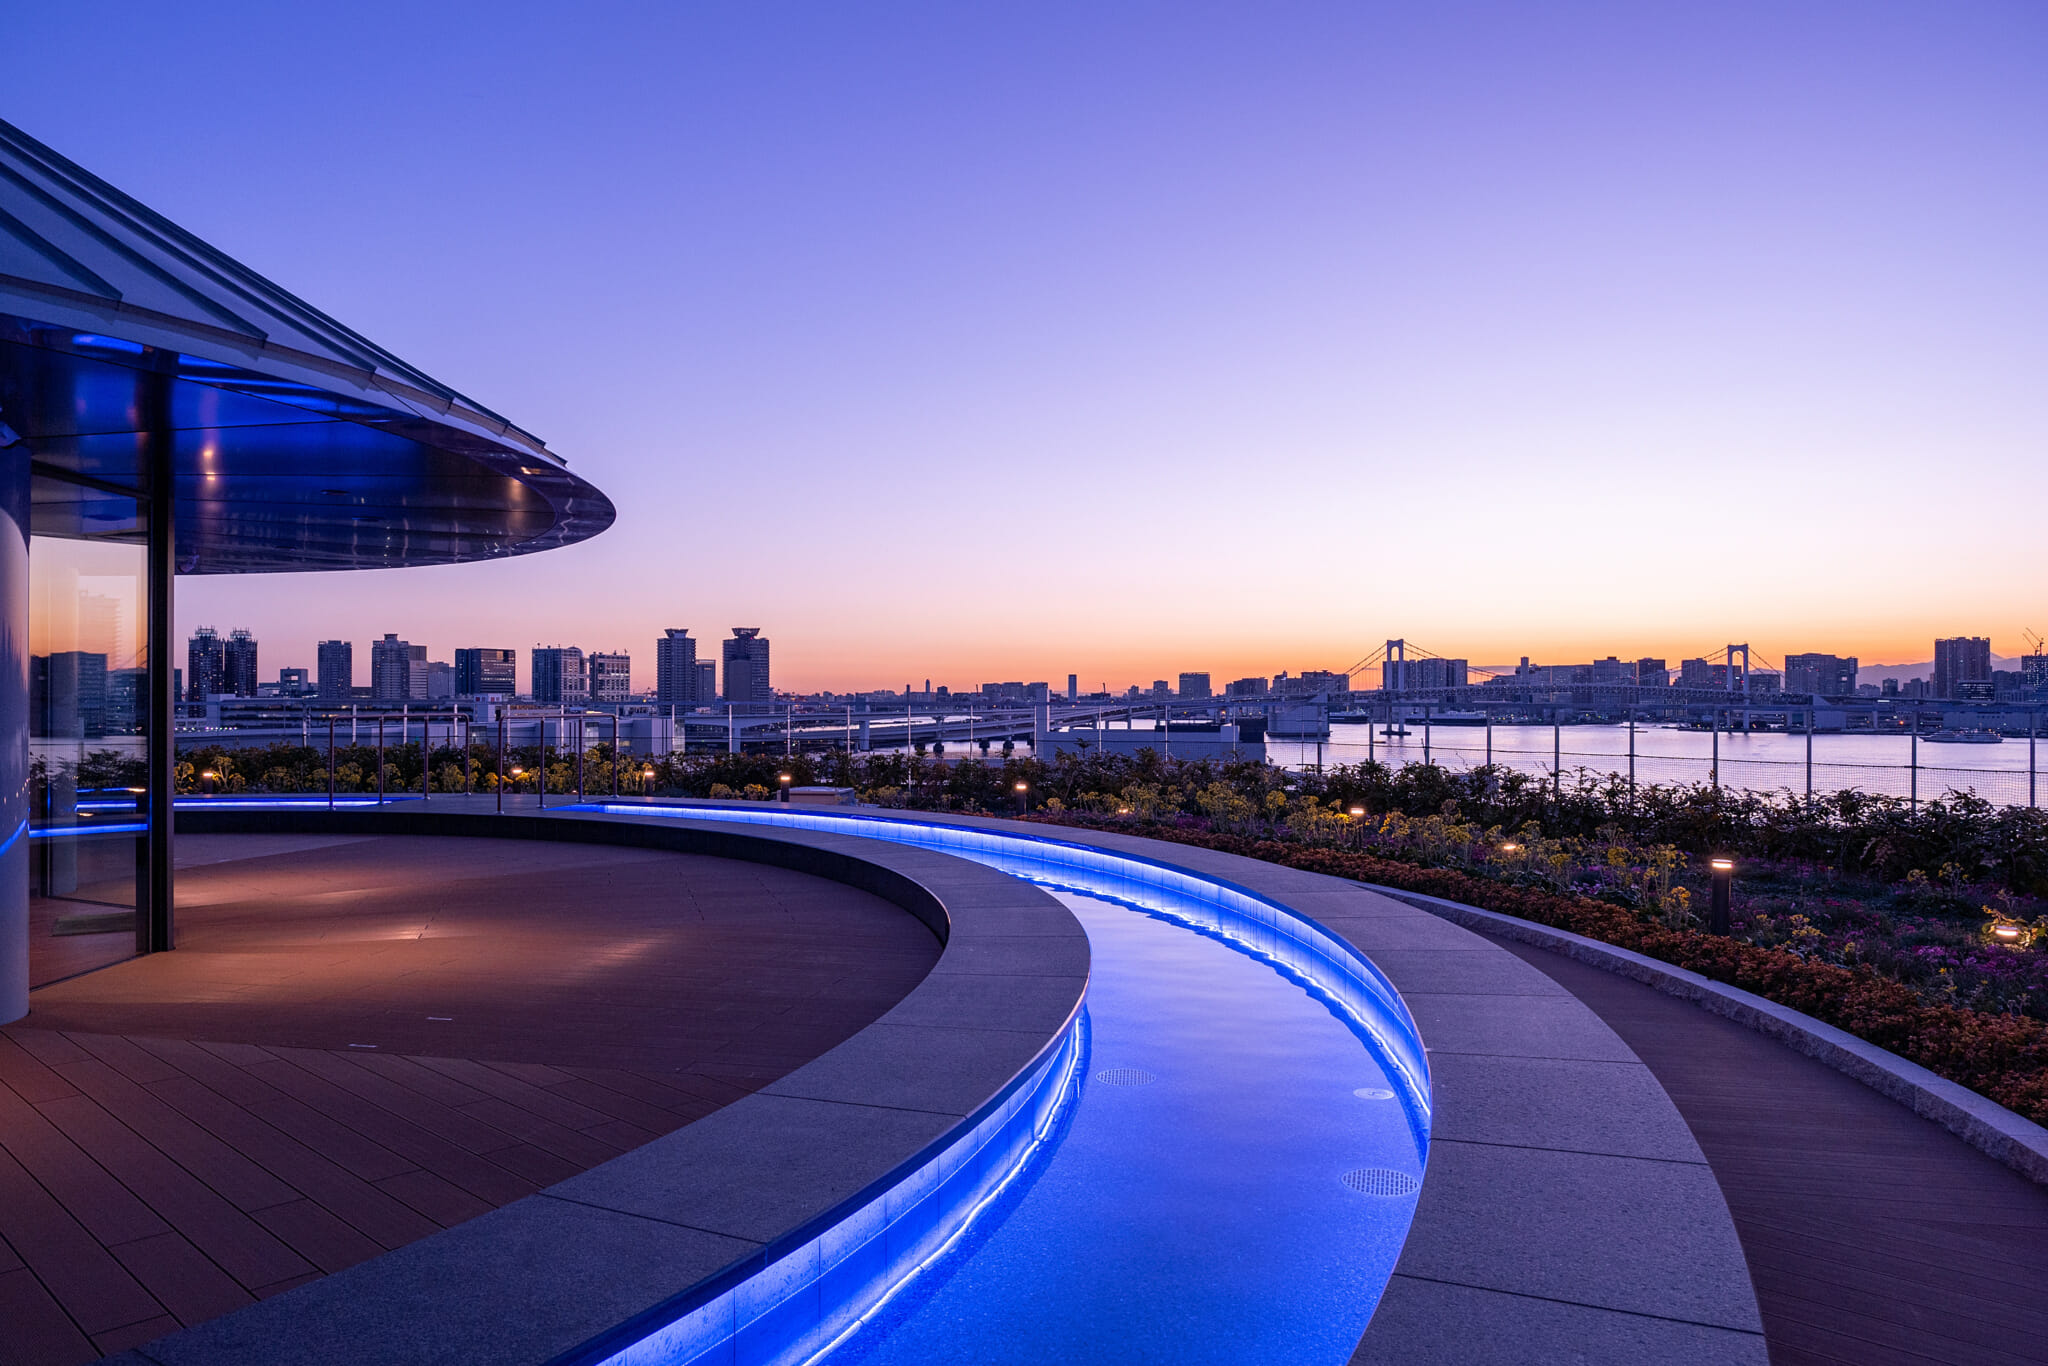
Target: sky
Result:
[975, 342]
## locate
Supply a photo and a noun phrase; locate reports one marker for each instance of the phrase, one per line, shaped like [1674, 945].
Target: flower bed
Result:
[2002, 1056]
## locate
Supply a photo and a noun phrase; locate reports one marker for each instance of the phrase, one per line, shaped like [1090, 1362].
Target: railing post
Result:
[615, 755]
[582, 740]
[1631, 758]
[1809, 755]
[1425, 735]
[1714, 724]
[2033, 726]
[1556, 754]
[330, 761]
[380, 758]
[540, 777]
[1913, 760]
[501, 761]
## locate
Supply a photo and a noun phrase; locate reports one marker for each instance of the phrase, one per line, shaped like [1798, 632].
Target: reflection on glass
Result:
[88, 634]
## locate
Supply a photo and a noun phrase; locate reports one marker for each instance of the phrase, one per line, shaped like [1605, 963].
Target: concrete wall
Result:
[14, 793]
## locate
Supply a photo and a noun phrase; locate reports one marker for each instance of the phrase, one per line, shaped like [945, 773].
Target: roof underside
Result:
[295, 443]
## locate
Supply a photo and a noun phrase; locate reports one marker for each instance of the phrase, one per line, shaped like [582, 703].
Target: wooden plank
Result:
[478, 1176]
[243, 1248]
[38, 1332]
[78, 1272]
[230, 1080]
[446, 1203]
[134, 1334]
[243, 1182]
[654, 1119]
[355, 1200]
[107, 1209]
[533, 1099]
[568, 1144]
[47, 1046]
[22, 1073]
[450, 1124]
[318, 1235]
[183, 1279]
[124, 1056]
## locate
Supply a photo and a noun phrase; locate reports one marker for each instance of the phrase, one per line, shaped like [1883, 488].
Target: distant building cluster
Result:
[223, 669]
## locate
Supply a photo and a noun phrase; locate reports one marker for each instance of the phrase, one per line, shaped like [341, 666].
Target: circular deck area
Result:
[362, 1040]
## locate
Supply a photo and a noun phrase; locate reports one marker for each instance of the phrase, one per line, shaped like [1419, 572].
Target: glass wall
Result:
[88, 616]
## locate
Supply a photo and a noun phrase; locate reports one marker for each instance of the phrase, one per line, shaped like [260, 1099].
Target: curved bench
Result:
[867, 1156]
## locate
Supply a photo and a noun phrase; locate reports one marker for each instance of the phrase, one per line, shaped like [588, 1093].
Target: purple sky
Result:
[1122, 339]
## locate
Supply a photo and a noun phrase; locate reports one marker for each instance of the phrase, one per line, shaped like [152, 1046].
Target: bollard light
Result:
[1724, 895]
[784, 778]
[1022, 788]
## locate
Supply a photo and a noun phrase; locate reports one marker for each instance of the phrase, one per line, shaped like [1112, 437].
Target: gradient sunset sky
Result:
[974, 342]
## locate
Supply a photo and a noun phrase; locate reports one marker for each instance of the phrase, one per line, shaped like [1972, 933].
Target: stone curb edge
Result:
[1984, 1124]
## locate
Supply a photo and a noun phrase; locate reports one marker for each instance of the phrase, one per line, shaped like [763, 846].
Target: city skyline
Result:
[1512, 330]
[1794, 669]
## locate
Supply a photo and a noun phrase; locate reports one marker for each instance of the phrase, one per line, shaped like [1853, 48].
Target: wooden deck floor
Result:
[1874, 1237]
[363, 1041]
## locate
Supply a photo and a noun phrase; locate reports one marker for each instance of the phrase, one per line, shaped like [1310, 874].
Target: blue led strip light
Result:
[1267, 928]
[796, 1309]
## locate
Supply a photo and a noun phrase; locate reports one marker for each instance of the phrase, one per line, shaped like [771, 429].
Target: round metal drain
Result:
[1373, 1093]
[1380, 1181]
[1124, 1076]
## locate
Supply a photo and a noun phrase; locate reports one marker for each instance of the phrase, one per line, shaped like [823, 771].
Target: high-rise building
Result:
[486, 673]
[1697, 673]
[1825, 675]
[440, 681]
[611, 678]
[295, 682]
[1073, 687]
[675, 669]
[2034, 673]
[1958, 660]
[1194, 685]
[1432, 673]
[206, 664]
[337, 670]
[391, 670]
[1651, 673]
[559, 676]
[746, 668]
[707, 682]
[238, 663]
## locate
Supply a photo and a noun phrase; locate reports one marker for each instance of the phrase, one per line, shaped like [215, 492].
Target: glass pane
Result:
[88, 643]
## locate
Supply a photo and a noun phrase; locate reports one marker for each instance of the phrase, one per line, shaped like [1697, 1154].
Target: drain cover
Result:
[1124, 1076]
[1380, 1181]
[1373, 1093]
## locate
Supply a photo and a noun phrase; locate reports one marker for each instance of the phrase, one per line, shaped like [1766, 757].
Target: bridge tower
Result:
[1394, 668]
[1743, 650]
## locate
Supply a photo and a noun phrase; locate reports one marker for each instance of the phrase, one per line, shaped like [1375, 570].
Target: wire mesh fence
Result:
[2003, 771]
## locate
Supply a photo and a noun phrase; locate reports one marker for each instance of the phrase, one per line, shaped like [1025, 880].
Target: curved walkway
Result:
[1874, 1237]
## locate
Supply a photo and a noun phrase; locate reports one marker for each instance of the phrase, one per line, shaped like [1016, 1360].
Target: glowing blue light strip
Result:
[15, 838]
[64, 831]
[1267, 928]
[785, 1312]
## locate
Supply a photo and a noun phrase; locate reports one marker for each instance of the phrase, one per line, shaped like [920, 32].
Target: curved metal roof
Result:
[296, 442]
